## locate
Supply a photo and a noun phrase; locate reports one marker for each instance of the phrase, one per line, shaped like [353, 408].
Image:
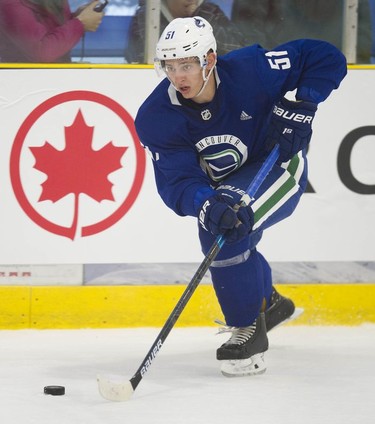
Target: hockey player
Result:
[209, 125]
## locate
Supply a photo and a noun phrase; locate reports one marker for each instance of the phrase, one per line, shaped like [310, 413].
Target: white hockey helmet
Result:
[185, 37]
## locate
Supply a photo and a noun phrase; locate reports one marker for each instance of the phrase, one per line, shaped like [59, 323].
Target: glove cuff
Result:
[299, 104]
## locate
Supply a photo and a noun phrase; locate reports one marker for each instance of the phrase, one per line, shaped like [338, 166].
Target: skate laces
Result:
[240, 335]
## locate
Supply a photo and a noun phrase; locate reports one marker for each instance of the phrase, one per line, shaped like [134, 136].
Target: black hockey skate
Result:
[281, 310]
[243, 353]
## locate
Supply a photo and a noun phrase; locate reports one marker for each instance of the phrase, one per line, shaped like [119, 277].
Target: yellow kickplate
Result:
[15, 307]
[67, 307]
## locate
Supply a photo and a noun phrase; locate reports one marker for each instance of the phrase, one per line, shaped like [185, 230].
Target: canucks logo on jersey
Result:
[221, 155]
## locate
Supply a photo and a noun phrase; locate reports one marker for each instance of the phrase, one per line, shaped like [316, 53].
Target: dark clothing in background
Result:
[277, 21]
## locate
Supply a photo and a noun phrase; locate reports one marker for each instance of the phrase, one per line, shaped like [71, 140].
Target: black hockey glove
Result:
[219, 217]
[290, 127]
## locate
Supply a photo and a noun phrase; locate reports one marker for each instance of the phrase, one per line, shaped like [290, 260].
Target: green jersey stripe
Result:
[280, 191]
[275, 201]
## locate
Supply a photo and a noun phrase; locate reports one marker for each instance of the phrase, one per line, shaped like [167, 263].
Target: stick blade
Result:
[115, 392]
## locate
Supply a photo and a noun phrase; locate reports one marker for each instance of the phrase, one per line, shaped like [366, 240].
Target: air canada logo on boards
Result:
[76, 164]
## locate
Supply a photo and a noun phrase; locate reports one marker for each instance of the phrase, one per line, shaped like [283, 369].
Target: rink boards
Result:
[66, 307]
[54, 295]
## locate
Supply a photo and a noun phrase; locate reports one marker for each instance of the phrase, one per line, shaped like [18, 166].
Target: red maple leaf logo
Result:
[78, 168]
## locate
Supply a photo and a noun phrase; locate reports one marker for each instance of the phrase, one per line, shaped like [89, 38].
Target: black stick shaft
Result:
[175, 314]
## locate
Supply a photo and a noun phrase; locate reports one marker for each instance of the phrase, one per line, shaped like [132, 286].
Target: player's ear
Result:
[211, 60]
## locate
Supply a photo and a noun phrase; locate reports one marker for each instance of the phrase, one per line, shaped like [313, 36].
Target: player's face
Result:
[186, 75]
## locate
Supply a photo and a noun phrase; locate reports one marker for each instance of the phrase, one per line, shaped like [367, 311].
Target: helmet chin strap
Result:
[205, 78]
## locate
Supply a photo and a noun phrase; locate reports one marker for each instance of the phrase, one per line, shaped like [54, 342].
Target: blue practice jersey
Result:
[195, 146]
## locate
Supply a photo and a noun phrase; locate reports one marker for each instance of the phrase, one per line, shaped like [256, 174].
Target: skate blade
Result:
[244, 367]
[297, 312]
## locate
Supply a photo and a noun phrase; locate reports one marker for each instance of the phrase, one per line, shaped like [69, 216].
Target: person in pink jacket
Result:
[43, 30]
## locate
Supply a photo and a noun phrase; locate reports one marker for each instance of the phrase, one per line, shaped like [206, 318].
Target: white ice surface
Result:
[315, 375]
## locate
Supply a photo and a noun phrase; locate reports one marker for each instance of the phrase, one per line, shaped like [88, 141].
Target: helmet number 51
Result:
[169, 35]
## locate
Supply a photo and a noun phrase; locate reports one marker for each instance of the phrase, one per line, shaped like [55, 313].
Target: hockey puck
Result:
[54, 390]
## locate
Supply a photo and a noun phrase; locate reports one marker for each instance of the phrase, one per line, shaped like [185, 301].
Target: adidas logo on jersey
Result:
[244, 116]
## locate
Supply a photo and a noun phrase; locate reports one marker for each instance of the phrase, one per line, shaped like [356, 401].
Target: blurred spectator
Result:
[265, 15]
[278, 21]
[228, 36]
[43, 30]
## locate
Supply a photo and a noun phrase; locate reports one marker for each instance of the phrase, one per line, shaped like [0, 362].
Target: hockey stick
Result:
[123, 391]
